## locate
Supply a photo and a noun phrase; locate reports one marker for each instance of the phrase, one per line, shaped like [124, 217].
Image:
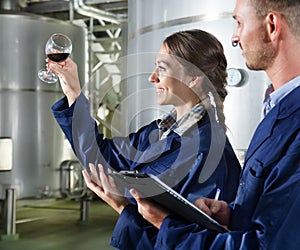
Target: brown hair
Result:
[205, 53]
[289, 9]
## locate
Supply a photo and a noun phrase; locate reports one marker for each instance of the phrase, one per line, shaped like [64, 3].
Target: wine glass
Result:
[58, 48]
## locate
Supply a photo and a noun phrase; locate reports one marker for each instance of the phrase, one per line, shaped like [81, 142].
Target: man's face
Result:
[252, 35]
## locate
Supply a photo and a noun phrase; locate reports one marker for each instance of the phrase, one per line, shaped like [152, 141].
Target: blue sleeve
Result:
[64, 115]
[88, 144]
[174, 234]
[132, 231]
[79, 128]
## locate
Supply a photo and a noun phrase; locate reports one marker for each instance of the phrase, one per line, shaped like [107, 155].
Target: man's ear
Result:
[273, 22]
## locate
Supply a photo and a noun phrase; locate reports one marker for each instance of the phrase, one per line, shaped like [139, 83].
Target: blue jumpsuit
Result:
[194, 164]
[266, 211]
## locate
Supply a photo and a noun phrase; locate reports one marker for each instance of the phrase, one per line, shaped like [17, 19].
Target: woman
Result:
[186, 148]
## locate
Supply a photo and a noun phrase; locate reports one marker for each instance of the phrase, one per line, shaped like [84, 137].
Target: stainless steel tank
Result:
[25, 115]
[149, 23]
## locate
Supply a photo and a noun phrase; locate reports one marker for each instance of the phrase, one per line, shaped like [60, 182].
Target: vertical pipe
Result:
[84, 209]
[10, 215]
[71, 11]
[90, 69]
[10, 211]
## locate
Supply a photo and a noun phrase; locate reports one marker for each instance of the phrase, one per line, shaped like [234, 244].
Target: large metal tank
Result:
[25, 115]
[149, 23]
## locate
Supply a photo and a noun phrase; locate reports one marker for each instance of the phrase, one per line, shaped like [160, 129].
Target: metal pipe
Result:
[10, 211]
[106, 27]
[90, 11]
[84, 208]
[71, 11]
[10, 215]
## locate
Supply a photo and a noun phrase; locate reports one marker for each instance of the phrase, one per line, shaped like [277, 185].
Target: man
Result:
[266, 211]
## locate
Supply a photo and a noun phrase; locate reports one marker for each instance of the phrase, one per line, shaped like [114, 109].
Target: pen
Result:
[217, 194]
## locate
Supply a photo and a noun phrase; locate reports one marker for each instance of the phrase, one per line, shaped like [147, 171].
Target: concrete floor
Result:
[56, 225]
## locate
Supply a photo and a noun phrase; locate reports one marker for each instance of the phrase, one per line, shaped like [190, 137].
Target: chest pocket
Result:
[249, 191]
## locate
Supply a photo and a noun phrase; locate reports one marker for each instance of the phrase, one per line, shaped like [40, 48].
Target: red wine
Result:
[58, 57]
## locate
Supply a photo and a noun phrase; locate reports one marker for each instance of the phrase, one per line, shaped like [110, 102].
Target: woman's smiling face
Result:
[169, 80]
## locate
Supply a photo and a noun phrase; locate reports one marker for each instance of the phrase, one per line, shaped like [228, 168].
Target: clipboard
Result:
[151, 187]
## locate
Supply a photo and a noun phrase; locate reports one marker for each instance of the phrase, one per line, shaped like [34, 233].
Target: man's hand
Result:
[216, 209]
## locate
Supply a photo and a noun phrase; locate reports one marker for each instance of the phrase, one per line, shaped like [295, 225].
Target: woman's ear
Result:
[195, 81]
